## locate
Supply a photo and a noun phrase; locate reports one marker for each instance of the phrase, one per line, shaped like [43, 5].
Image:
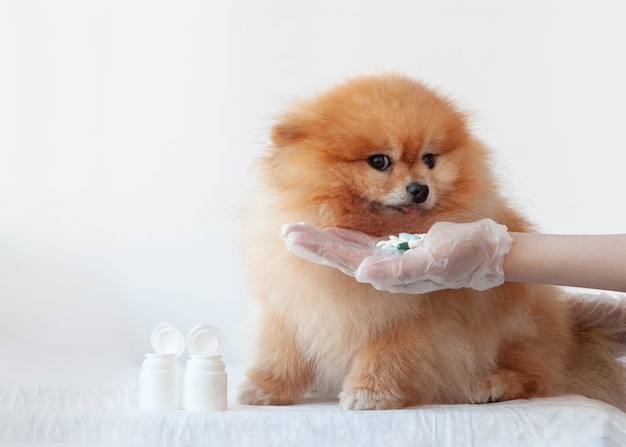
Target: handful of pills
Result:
[403, 241]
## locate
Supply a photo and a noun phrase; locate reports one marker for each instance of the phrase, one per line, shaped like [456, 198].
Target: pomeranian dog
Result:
[383, 155]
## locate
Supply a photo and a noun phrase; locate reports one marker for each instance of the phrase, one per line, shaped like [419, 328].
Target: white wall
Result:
[126, 129]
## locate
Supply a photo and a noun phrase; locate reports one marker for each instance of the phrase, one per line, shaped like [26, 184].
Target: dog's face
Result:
[379, 153]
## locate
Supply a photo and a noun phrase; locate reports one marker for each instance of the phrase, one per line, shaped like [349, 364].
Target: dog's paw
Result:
[506, 384]
[252, 394]
[486, 389]
[365, 399]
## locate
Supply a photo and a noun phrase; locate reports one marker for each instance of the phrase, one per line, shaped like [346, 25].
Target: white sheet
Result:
[47, 414]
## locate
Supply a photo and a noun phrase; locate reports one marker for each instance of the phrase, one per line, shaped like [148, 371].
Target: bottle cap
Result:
[205, 339]
[167, 339]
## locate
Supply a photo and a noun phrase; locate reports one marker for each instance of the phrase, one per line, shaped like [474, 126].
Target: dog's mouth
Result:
[409, 209]
[403, 208]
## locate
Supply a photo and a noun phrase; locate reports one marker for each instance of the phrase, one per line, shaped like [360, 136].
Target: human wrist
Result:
[497, 244]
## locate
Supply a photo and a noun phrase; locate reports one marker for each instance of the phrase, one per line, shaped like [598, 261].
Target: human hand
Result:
[451, 256]
[335, 247]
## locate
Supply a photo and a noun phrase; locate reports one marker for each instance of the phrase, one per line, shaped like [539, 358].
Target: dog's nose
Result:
[418, 192]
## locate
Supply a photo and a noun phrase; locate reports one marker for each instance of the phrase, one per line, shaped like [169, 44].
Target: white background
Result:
[127, 128]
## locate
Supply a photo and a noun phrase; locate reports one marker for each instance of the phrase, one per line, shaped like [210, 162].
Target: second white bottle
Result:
[205, 385]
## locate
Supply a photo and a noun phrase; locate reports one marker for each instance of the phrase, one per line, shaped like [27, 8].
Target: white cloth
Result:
[47, 414]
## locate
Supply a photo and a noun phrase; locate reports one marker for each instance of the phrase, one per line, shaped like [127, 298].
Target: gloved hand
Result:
[451, 256]
[335, 247]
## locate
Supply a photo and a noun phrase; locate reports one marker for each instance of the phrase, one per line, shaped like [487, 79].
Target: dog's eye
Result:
[429, 160]
[379, 162]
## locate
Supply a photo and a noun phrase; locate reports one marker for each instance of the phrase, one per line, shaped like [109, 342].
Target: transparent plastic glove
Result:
[335, 247]
[451, 256]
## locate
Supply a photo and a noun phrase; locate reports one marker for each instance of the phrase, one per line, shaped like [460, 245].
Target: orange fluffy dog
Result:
[385, 155]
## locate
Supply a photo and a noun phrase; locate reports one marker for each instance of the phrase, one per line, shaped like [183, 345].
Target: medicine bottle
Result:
[160, 377]
[205, 386]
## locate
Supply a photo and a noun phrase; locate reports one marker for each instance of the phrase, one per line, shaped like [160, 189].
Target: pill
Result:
[410, 236]
[403, 241]
[414, 243]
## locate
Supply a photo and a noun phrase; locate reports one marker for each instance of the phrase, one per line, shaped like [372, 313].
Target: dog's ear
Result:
[288, 131]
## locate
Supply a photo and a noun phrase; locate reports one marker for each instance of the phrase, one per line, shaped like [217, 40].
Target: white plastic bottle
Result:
[160, 377]
[205, 385]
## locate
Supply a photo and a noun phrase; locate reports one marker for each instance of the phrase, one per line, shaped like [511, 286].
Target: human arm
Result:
[454, 255]
[590, 261]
